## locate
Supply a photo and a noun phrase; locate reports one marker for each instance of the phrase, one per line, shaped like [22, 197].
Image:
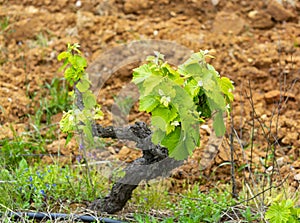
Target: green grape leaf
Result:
[167, 114]
[64, 65]
[218, 124]
[140, 74]
[158, 122]
[157, 136]
[173, 74]
[150, 83]
[182, 149]
[171, 140]
[63, 55]
[87, 129]
[192, 87]
[98, 114]
[148, 103]
[70, 72]
[169, 128]
[216, 101]
[77, 61]
[89, 100]
[226, 87]
[193, 68]
[69, 137]
[213, 70]
[190, 135]
[83, 85]
[67, 122]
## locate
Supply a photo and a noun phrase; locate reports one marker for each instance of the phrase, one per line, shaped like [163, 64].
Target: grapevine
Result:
[180, 99]
[86, 109]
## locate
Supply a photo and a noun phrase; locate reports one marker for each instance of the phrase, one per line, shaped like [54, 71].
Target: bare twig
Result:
[265, 190]
[231, 137]
[252, 129]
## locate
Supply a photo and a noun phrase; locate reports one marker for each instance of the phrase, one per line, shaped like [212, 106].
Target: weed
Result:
[4, 23]
[283, 212]
[59, 98]
[196, 206]
[41, 40]
[13, 150]
[36, 187]
[249, 216]
[193, 206]
[31, 144]
[151, 197]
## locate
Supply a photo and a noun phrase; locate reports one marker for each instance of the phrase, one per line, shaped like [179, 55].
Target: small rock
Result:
[260, 20]
[227, 22]
[297, 177]
[264, 62]
[206, 128]
[274, 96]
[127, 154]
[111, 150]
[78, 4]
[253, 73]
[270, 169]
[215, 2]
[290, 138]
[134, 6]
[280, 161]
[85, 19]
[278, 12]
[59, 146]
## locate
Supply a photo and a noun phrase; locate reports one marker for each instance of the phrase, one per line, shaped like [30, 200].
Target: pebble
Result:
[280, 161]
[278, 12]
[78, 4]
[227, 22]
[274, 96]
[260, 19]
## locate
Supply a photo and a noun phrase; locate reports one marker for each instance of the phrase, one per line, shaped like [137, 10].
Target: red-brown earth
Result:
[255, 43]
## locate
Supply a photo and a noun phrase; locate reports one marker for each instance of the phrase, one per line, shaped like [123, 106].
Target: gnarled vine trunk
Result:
[154, 163]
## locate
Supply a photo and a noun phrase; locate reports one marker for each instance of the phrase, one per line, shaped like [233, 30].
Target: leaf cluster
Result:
[80, 117]
[180, 99]
[283, 212]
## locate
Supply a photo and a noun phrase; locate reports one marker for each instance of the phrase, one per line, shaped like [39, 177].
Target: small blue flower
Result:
[54, 185]
[30, 178]
[78, 158]
[43, 193]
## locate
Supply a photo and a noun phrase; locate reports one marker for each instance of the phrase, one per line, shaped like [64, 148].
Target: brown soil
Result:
[256, 44]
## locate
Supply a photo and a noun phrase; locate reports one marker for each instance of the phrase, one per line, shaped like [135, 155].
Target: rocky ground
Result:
[255, 43]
